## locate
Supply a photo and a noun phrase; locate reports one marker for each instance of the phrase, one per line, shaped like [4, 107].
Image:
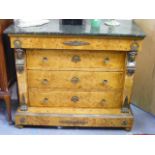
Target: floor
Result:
[144, 124]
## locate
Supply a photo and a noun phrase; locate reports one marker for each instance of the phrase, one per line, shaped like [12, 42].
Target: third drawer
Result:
[49, 98]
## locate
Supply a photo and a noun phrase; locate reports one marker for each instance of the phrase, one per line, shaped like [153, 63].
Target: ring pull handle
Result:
[103, 102]
[105, 82]
[75, 99]
[45, 100]
[45, 59]
[106, 60]
[45, 81]
[76, 58]
[75, 80]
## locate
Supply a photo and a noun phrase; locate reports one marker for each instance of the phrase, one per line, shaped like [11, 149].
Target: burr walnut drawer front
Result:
[73, 59]
[50, 98]
[75, 80]
[71, 42]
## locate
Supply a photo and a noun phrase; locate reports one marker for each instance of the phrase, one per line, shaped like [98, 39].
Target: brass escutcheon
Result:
[45, 100]
[105, 82]
[103, 101]
[75, 80]
[75, 99]
[76, 58]
[45, 59]
[106, 60]
[45, 81]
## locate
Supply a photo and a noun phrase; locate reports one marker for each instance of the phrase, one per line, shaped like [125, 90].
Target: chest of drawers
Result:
[74, 79]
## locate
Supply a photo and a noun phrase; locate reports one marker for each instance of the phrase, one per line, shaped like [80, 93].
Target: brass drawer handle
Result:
[45, 100]
[45, 81]
[76, 58]
[105, 82]
[75, 99]
[103, 101]
[75, 43]
[75, 80]
[45, 59]
[106, 60]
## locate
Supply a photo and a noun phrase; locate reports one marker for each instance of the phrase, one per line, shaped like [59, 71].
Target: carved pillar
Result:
[130, 70]
[20, 58]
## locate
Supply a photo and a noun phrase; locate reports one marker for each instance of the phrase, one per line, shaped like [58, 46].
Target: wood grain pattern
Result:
[74, 117]
[62, 60]
[50, 98]
[75, 80]
[56, 42]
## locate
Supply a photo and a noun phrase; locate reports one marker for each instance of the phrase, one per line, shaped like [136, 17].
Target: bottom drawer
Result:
[48, 98]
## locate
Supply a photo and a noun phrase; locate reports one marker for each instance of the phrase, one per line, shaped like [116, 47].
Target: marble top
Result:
[127, 28]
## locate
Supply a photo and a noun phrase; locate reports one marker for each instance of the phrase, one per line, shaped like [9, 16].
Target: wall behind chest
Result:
[144, 88]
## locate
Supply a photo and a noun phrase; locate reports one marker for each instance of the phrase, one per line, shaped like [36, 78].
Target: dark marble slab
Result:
[127, 28]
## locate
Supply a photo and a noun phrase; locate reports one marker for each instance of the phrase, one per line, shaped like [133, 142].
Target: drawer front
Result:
[75, 80]
[68, 42]
[49, 98]
[62, 60]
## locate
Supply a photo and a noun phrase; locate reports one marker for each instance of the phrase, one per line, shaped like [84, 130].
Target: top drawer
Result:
[72, 42]
[75, 60]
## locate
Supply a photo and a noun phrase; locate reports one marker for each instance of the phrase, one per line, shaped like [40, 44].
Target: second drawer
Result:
[75, 80]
